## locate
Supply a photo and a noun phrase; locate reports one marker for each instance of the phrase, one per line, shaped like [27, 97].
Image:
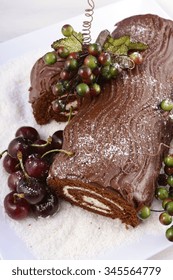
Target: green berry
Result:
[161, 193]
[170, 180]
[50, 58]
[113, 71]
[82, 89]
[71, 64]
[169, 208]
[168, 160]
[165, 219]
[90, 61]
[63, 52]
[144, 212]
[166, 105]
[105, 72]
[104, 59]
[58, 89]
[94, 49]
[169, 234]
[165, 201]
[95, 89]
[67, 30]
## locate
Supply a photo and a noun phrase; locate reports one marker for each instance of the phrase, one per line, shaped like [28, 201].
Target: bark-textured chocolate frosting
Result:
[119, 138]
[41, 95]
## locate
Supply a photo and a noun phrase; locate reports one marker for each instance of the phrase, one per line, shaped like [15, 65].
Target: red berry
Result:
[14, 179]
[36, 167]
[10, 164]
[28, 132]
[16, 208]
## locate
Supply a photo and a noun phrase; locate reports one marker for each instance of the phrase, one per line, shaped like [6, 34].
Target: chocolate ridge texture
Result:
[41, 96]
[119, 138]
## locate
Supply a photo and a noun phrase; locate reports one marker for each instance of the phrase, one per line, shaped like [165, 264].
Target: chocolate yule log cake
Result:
[119, 138]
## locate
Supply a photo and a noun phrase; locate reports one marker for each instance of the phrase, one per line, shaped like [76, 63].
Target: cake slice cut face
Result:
[119, 138]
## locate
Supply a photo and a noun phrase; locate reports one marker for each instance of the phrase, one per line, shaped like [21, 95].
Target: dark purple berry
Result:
[48, 206]
[28, 132]
[14, 179]
[36, 167]
[16, 208]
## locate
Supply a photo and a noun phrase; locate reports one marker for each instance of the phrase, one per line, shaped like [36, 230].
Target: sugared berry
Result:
[32, 189]
[36, 166]
[48, 206]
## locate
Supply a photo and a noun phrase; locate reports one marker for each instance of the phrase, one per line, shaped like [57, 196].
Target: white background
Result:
[19, 17]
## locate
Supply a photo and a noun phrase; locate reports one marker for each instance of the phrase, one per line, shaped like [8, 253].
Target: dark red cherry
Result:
[16, 208]
[19, 144]
[10, 164]
[40, 147]
[36, 167]
[48, 206]
[14, 179]
[57, 139]
[28, 132]
[32, 189]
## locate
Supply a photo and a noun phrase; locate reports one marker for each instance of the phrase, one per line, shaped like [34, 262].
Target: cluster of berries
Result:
[164, 193]
[27, 160]
[85, 70]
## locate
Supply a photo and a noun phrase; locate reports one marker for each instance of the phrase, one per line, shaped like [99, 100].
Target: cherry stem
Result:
[48, 142]
[68, 153]
[19, 195]
[70, 115]
[20, 158]
[1, 154]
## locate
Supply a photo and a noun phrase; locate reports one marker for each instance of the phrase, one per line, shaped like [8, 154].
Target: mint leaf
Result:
[73, 43]
[122, 45]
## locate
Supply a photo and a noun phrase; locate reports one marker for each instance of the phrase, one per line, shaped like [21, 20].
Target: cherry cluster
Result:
[163, 193]
[84, 71]
[27, 160]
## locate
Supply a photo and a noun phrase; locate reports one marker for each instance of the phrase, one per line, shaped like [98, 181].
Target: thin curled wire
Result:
[86, 30]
